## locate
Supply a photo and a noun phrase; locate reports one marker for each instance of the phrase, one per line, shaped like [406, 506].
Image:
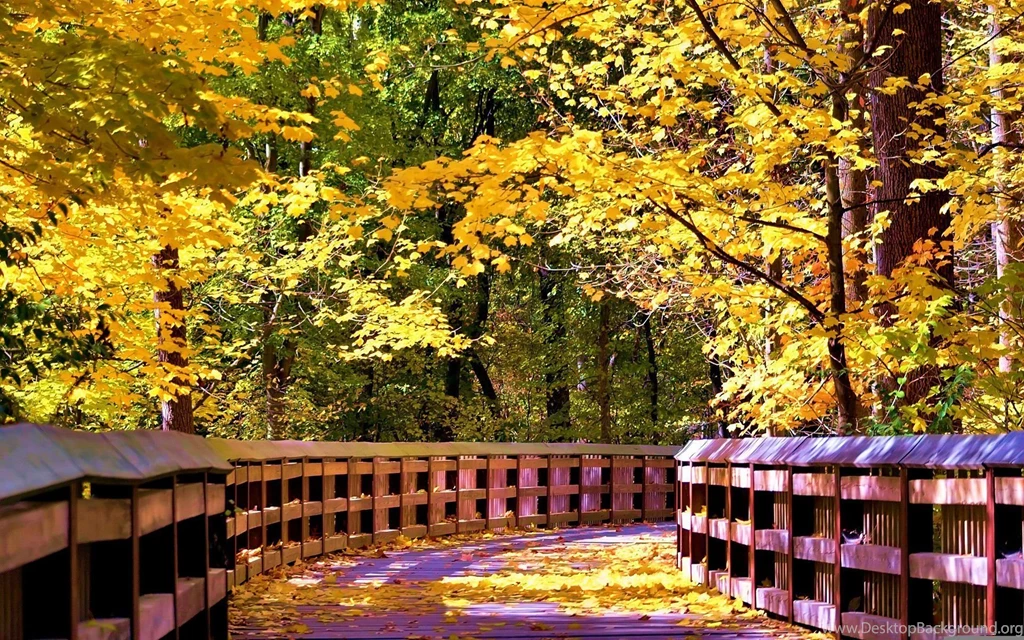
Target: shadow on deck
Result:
[600, 582]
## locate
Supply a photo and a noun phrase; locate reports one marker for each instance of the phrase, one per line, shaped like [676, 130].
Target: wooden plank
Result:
[175, 547]
[813, 484]
[216, 586]
[718, 528]
[990, 548]
[870, 627]
[949, 491]
[904, 540]
[105, 629]
[101, 519]
[949, 568]
[1010, 491]
[741, 533]
[837, 536]
[335, 505]
[820, 615]
[770, 480]
[878, 488]
[660, 463]
[699, 474]
[336, 542]
[336, 468]
[271, 558]
[271, 515]
[791, 539]
[30, 531]
[1010, 573]
[742, 589]
[156, 616]
[772, 540]
[155, 509]
[313, 469]
[872, 557]
[216, 502]
[718, 476]
[191, 598]
[773, 600]
[814, 548]
[77, 582]
[741, 477]
[312, 548]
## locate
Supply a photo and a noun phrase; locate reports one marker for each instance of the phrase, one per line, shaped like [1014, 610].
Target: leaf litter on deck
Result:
[537, 584]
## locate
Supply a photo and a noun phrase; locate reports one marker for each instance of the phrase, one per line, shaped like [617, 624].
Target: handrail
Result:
[254, 450]
[142, 534]
[854, 535]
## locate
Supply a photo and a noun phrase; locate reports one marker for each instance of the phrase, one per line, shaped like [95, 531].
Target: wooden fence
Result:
[141, 535]
[868, 537]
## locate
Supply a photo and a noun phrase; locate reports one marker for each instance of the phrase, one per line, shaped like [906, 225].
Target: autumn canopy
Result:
[521, 220]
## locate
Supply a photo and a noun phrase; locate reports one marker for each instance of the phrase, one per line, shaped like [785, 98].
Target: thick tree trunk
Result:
[853, 181]
[172, 342]
[604, 366]
[1007, 232]
[652, 370]
[453, 378]
[915, 38]
[555, 371]
[276, 371]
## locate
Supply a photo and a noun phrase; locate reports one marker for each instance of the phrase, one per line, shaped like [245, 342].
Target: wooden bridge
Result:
[149, 535]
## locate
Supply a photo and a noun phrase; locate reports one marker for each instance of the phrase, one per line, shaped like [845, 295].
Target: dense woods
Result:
[620, 221]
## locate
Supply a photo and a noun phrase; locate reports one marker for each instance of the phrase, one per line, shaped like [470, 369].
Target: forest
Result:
[627, 221]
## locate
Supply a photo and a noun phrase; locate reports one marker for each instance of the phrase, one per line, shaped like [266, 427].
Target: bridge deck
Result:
[580, 583]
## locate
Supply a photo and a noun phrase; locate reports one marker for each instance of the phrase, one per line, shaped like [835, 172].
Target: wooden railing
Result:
[865, 537]
[141, 535]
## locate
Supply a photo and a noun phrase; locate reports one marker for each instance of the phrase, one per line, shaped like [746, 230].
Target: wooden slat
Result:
[30, 531]
[948, 491]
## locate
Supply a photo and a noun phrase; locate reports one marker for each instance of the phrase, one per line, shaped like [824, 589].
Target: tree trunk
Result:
[1006, 231]
[914, 52]
[846, 399]
[474, 331]
[604, 395]
[555, 371]
[277, 363]
[652, 370]
[172, 342]
[853, 181]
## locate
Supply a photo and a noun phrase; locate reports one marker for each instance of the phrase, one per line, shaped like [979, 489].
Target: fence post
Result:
[837, 564]
[990, 548]
[790, 542]
[752, 549]
[136, 568]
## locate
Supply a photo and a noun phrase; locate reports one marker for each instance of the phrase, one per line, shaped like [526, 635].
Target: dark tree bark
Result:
[474, 331]
[914, 36]
[604, 365]
[652, 369]
[914, 52]
[176, 414]
[277, 362]
[555, 371]
[716, 378]
[853, 181]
